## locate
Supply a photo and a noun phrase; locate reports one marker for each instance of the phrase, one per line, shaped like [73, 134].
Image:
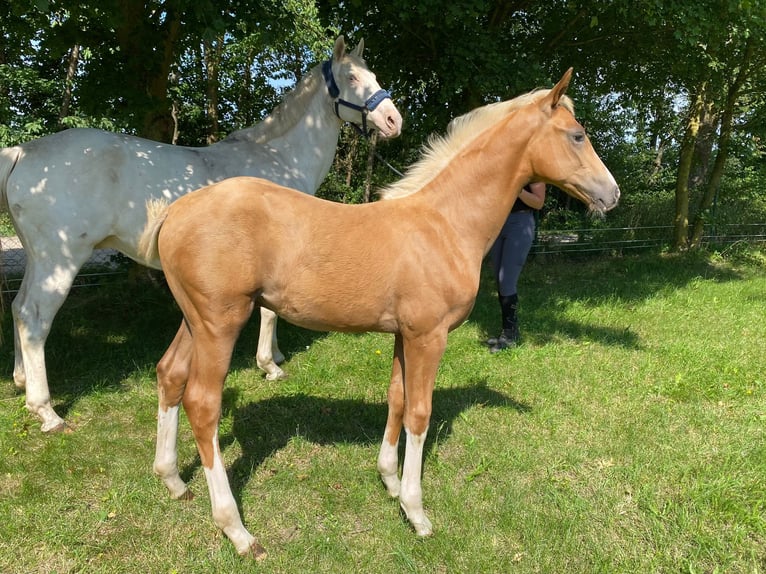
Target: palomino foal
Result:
[409, 265]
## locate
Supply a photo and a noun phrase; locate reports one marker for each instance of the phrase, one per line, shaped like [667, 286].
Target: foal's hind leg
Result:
[388, 459]
[172, 375]
[202, 402]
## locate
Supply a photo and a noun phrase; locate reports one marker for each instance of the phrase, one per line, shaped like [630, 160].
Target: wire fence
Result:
[102, 264]
[621, 240]
[106, 263]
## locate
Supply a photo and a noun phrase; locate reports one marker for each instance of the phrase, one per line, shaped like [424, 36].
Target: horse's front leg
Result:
[268, 354]
[388, 459]
[421, 361]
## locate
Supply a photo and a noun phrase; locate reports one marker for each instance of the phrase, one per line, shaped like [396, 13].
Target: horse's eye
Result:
[578, 137]
[352, 78]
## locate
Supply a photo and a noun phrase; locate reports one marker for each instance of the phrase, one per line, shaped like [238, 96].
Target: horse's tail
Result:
[9, 156]
[156, 212]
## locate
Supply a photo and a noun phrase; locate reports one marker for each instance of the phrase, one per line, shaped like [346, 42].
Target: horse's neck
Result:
[312, 142]
[306, 149]
[476, 191]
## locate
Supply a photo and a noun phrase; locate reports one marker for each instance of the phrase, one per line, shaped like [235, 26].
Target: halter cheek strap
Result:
[329, 79]
[369, 105]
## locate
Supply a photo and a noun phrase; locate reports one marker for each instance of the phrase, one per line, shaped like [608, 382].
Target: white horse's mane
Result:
[285, 115]
[440, 150]
[291, 109]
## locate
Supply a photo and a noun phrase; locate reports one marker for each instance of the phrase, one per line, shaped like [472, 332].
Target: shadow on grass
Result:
[548, 286]
[102, 335]
[264, 427]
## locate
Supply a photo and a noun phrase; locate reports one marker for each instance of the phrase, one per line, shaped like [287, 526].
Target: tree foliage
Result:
[671, 92]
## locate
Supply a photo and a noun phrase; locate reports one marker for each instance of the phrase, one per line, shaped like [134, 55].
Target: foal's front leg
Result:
[268, 354]
[416, 361]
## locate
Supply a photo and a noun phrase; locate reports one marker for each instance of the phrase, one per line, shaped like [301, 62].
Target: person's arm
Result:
[535, 197]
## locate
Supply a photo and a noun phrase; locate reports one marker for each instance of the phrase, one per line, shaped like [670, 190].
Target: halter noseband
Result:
[369, 105]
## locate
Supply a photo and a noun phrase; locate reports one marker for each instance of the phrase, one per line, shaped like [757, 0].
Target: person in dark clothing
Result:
[509, 254]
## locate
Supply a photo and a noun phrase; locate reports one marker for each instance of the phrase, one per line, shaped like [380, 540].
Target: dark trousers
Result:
[509, 254]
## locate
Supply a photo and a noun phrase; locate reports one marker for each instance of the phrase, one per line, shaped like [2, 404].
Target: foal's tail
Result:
[156, 212]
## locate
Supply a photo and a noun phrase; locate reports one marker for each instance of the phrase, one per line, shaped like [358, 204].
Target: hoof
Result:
[392, 483]
[423, 529]
[256, 552]
[278, 375]
[419, 522]
[57, 428]
[186, 495]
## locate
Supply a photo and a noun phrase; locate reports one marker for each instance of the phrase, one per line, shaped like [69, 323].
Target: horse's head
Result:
[357, 96]
[561, 153]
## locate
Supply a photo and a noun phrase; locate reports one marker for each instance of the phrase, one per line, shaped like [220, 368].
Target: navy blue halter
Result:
[369, 105]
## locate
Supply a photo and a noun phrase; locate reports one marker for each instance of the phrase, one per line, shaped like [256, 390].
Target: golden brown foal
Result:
[409, 265]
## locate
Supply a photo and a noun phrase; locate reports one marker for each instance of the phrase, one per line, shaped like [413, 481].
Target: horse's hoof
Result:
[278, 375]
[255, 551]
[423, 530]
[419, 522]
[187, 495]
[56, 428]
[392, 483]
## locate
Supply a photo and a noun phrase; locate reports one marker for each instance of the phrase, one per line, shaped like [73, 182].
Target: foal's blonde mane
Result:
[440, 150]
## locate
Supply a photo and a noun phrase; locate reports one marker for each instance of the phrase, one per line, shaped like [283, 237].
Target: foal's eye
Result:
[578, 137]
[352, 78]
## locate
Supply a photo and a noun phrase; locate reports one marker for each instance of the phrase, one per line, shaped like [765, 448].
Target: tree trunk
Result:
[373, 141]
[681, 220]
[158, 122]
[148, 47]
[349, 162]
[724, 138]
[5, 89]
[212, 58]
[703, 147]
[244, 115]
[175, 108]
[657, 163]
[71, 71]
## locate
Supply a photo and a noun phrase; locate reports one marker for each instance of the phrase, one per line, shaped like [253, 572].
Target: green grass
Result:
[6, 227]
[628, 434]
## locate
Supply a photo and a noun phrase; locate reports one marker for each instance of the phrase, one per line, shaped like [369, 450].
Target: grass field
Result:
[627, 435]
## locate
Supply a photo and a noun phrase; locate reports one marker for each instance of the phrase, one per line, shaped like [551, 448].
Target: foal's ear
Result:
[550, 101]
[340, 49]
[559, 89]
[359, 48]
